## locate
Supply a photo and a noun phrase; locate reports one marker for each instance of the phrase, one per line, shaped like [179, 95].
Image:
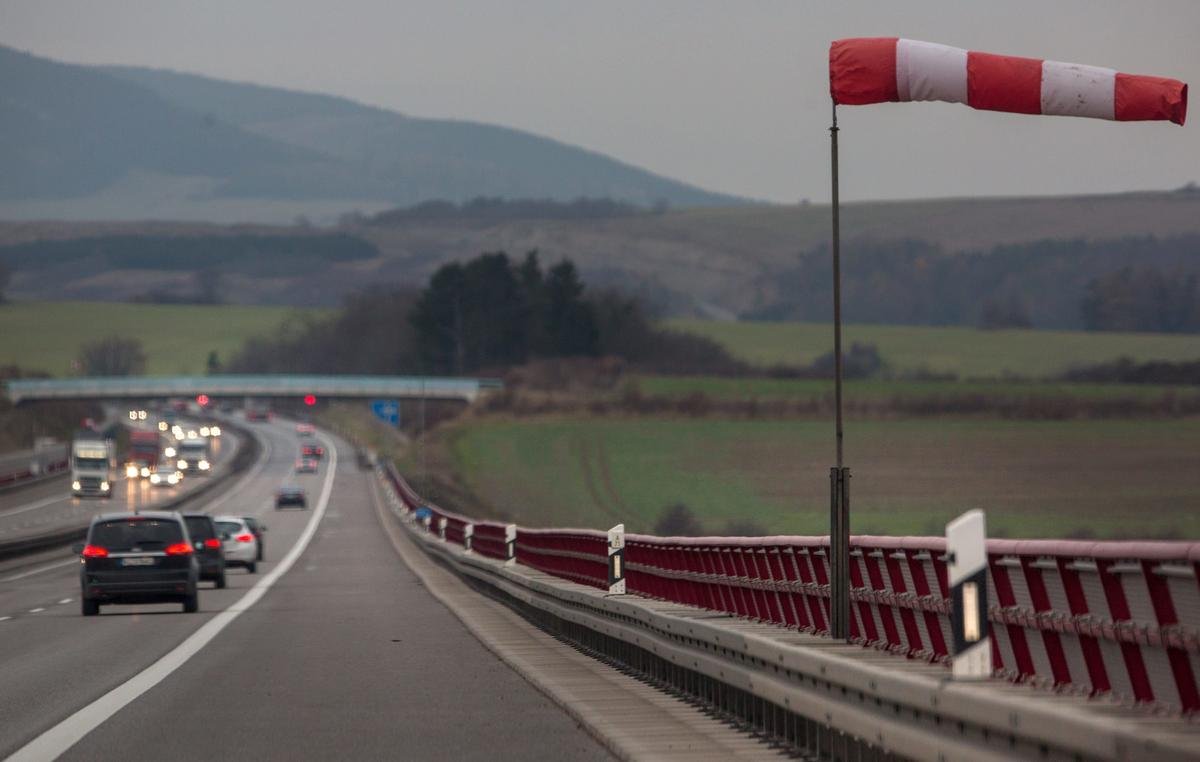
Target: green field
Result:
[1035, 479]
[879, 390]
[177, 339]
[968, 352]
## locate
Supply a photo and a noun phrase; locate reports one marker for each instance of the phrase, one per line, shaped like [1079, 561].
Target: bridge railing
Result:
[1120, 619]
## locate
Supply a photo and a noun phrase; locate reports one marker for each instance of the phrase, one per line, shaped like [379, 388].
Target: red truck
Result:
[144, 452]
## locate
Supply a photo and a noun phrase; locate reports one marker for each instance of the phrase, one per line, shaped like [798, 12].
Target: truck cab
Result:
[93, 466]
[193, 456]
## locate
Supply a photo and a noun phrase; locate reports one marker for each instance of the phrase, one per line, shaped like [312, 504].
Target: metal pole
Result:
[839, 476]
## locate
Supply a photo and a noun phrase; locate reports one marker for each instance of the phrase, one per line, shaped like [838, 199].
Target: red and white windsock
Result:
[879, 69]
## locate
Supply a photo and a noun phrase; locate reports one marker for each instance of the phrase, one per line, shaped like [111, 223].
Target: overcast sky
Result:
[731, 96]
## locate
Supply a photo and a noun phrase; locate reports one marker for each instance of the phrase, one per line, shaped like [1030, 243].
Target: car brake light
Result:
[179, 549]
[212, 542]
[245, 538]
[95, 551]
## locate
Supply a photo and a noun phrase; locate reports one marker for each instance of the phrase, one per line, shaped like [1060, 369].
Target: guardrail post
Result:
[510, 544]
[616, 560]
[468, 533]
[966, 550]
[425, 521]
[442, 528]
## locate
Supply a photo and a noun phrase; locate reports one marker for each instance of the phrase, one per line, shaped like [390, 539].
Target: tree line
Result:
[1044, 284]
[487, 314]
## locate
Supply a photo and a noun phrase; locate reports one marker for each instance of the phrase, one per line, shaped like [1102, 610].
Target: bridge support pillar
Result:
[616, 560]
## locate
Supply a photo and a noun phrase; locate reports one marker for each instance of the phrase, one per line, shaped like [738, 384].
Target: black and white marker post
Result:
[616, 560]
[966, 549]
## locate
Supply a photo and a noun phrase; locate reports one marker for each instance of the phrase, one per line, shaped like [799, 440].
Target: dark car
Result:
[259, 530]
[315, 452]
[138, 558]
[306, 466]
[291, 496]
[209, 549]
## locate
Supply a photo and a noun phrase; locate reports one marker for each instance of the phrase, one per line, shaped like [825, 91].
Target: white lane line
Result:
[35, 505]
[70, 731]
[39, 570]
[36, 611]
[65, 600]
[5, 618]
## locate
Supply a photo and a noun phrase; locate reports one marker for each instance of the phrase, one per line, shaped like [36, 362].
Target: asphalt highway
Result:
[49, 505]
[334, 649]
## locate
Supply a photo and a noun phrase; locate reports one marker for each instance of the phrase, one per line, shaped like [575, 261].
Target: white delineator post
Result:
[966, 548]
[425, 521]
[510, 545]
[468, 533]
[616, 560]
[442, 528]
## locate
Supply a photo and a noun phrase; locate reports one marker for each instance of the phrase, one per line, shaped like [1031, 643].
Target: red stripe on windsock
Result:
[1141, 98]
[863, 70]
[1004, 83]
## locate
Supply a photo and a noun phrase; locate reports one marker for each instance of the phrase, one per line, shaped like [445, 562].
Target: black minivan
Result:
[138, 558]
[210, 551]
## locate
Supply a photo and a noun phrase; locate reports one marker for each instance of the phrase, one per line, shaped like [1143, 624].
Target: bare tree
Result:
[112, 356]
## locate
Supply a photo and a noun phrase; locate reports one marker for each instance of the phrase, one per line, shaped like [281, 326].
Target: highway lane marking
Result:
[36, 611]
[58, 739]
[65, 600]
[39, 570]
[5, 618]
[35, 505]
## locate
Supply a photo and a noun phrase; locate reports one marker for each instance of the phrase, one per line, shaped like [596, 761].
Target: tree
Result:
[570, 323]
[112, 356]
[5, 274]
[214, 363]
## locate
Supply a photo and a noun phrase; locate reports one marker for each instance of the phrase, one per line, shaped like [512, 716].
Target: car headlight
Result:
[155, 478]
[215, 431]
[104, 486]
[204, 431]
[203, 465]
[144, 472]
[141, 415]
[162, 426]
[173, 479]
[169, 452]
[182, 464]
[75, 486]
[131, 472]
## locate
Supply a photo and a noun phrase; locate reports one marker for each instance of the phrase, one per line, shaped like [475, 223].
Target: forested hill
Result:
[86, 142]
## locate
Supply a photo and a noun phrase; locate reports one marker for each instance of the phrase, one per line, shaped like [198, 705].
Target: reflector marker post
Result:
[468, 533]
[442, 528]
[966, 548]
[510, 544]
[616, 560]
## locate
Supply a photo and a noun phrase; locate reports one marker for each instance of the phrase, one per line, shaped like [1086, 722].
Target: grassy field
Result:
[718, 387]
[46, 336]
[1035, 479]
[966, 351]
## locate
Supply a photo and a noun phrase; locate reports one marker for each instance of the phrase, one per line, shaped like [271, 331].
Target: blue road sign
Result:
[387, 411]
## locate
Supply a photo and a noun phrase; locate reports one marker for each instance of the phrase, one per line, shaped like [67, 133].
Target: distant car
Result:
[138, 558]
[305, 429]
[291, 496]
[259, 530]
[165, 474]
[312, 451]
[241, 544]
[306, 466]
[209, 551]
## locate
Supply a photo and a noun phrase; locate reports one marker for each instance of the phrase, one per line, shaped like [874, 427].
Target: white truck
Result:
[93, 466]
[193, 456]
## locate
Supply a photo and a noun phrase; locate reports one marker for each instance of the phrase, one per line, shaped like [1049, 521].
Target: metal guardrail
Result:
[27, 466]
[149, 387]
[798, 689]
[1119, 620]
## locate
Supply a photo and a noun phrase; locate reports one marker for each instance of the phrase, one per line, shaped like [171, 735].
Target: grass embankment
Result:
[177, 339]
[1035, 479]
[968, 352]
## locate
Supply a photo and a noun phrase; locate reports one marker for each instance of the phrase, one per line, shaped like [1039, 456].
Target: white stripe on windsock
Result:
[1078, 90]
[927, 71]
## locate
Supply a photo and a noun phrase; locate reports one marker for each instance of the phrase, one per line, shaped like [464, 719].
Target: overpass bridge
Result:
[162, 387]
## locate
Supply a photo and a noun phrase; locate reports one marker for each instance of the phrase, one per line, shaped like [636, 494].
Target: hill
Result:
[126, 143]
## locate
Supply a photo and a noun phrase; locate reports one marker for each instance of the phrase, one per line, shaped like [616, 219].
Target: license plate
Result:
[137, 562]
